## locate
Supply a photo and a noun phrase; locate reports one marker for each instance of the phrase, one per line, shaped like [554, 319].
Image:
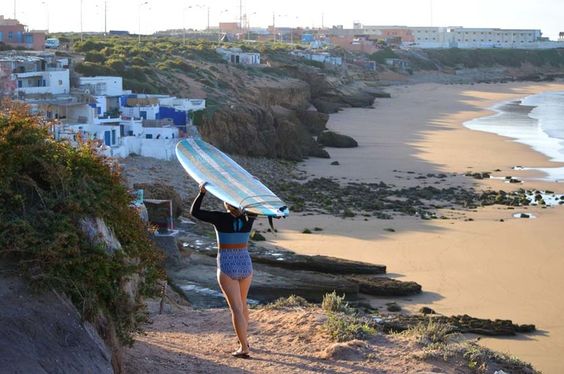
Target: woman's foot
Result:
[240, 353]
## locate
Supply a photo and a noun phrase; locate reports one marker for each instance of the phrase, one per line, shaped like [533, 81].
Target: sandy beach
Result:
[510, 269]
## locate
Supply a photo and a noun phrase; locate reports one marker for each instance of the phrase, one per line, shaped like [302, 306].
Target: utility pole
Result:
[81, 36]
[105, 17]
[208, 18]
[240, 14]
[431, 10]
[14, 9]
[274, 26]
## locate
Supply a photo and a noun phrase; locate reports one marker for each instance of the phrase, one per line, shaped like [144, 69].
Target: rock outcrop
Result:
[273, 118]
[332, 139]
[44, 333]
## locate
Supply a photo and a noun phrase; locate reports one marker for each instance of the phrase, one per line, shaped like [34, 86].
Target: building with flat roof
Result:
[15, 34]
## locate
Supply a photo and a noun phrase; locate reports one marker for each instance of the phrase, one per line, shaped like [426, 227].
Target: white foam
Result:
[542, 128]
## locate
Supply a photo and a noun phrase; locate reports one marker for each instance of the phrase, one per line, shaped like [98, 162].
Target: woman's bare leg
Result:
[232, 291]
[244, 285]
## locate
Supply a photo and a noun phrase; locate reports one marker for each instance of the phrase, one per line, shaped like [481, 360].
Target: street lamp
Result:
[141, 3]
[47, 12]
[184, 23]
[81, 36]
[219, 24]
[249, 24]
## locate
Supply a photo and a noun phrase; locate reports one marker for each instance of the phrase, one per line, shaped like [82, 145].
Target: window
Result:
[60, 82]
[10, 35]
[1, 36]
[20, 84]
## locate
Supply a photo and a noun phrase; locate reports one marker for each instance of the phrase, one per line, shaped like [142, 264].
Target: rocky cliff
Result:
[279, 117]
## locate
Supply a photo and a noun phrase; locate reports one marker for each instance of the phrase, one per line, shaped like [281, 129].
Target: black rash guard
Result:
[233, 257]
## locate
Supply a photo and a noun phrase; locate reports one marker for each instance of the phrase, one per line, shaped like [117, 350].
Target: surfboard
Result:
[227, 180]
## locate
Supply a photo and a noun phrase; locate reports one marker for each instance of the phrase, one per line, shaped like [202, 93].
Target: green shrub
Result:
[334, 303]
[91, 69]
[46, 188]
[291, 301]
[381, 56]
[95, 56]
[342, 327]
[431, 333]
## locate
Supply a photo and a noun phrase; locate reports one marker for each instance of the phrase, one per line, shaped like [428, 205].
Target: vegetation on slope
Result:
[46, 188]
[475, 58]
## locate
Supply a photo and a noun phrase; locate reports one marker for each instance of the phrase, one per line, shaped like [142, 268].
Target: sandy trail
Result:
[485, 267]
[282, 341]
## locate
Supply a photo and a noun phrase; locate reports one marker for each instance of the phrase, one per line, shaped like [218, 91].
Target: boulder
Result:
[313, 121]
[383, 286]
[332, 139]
[99, 234]
[326, 106]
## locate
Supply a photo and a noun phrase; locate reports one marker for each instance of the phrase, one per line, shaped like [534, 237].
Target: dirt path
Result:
[282, 341]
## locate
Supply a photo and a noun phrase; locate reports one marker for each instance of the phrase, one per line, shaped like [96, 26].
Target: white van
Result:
[52, 43]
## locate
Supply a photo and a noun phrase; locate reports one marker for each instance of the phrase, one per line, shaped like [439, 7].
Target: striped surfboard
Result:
[227, 180]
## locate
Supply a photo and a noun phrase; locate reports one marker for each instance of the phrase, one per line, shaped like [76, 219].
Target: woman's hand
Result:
[203, 187]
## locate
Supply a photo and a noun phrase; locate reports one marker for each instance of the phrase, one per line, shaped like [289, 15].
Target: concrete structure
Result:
[237, 56]
[13, 33]
[451, 37]
[102, 85]
[322, 57]
[120, 138]
[34, 74]
[160, 107]
[355, 43]
[230, 27]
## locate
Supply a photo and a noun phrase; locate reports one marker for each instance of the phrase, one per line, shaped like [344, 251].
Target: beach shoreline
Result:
[484, 262]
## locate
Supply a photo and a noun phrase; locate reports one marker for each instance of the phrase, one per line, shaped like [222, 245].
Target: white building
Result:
[472, 38]
[54, 82]
[322, 57]
[237, 56]
[460, 37]
[102, 86]
[120, 138]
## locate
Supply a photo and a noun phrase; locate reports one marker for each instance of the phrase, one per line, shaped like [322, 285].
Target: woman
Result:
[234, 267]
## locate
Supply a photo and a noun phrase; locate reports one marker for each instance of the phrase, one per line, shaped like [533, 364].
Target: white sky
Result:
[64, 15]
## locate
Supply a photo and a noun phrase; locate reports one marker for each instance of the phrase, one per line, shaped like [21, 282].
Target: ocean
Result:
[537, 121]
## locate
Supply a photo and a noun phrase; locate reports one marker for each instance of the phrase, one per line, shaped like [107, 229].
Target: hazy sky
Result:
[64, 15]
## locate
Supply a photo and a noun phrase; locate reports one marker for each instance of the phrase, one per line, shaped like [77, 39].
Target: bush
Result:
[95, 56]
[342, 327]
[91, 69]
[291, 301]
[46, 188]
[431, 333]
[381, 56]
[334, 303]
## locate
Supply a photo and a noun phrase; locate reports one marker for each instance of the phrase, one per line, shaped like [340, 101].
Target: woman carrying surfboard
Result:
[234, 266]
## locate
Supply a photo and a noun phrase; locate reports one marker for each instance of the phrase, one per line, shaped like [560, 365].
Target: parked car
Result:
[52, 43]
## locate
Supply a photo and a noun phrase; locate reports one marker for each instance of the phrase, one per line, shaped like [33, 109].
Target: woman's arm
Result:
[196, 210]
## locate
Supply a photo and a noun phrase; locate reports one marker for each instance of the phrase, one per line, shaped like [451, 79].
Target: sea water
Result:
[537, 121]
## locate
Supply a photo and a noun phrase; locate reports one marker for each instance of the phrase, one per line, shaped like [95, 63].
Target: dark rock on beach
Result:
[332, 139]
[460, 323]
[383, 286]
[197, 280]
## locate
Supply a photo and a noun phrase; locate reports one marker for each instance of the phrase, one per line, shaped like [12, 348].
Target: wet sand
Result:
[485, 267]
